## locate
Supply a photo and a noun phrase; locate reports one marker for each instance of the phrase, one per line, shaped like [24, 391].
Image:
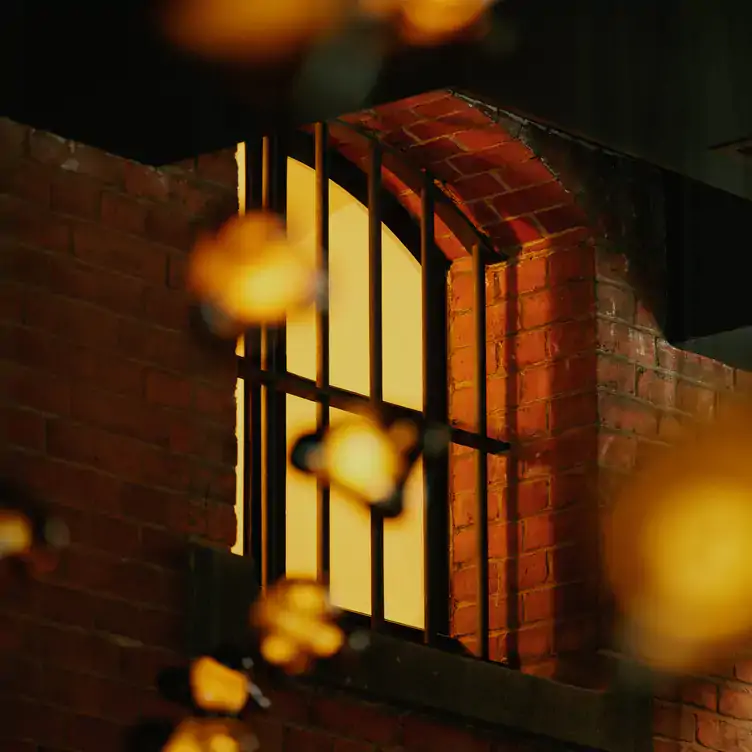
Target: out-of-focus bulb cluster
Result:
[678, 553]
[212, 735]
[427, 22]
[296, 623]
[249, 274]
[364, 457]
[28, 533]
[259, 31]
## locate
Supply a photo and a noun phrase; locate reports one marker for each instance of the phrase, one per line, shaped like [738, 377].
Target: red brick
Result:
[307, 740]
[169, 390]
[573, 410]
[569, 338]
[694, 399]
[735, 703]
[73, 320]
[701, 693]
[627, 415]
[76, 195]
[465, 582]
[139, 258]
[27, 180]
[514, 233]
[481, 186]
[617, 375]
[123, 213]
[423, 735]
[146, 182]
[561, 218]
[570, 301]
[531, 200]
[367, 722]
[622, 339]
[49, 148]
[616, 302]
[433, 106]
[171, 226]
[656, 387]
[22, 428]
[32, 226]
[14, 137]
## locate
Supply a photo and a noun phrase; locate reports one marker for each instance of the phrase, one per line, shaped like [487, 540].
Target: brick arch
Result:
[497, 181]
[542, 368]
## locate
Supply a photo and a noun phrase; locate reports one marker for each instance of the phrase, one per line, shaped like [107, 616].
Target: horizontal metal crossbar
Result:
[342, 399]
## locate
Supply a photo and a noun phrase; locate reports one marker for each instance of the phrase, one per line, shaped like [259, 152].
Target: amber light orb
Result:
[431, 22]
[218, 688]
[16, 533]
[212, 735]
[251, 274]
[297, 626]
[363, 457]
[678, 553]
[250, 31]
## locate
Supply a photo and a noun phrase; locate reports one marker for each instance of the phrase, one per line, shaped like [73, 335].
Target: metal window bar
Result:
[267, 515]
[252, 406]
[321, 165]
[481, 517]
[435, 394]
[274, 198]
[376, 363]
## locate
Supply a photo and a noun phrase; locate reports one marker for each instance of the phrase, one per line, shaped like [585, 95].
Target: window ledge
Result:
[222, 587]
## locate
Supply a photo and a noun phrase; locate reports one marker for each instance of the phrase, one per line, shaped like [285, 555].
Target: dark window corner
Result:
[411, 676]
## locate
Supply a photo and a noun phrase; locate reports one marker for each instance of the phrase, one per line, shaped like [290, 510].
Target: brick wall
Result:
[117, 418]
[112, 414]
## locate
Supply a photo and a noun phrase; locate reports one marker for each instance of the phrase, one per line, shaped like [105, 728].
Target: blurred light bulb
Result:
[16, 533]
[212, 735]
[296, 623]
[250, 274]
[217, 688]
[429, 22]
[363, 458]
[252, 31]
[677, 549]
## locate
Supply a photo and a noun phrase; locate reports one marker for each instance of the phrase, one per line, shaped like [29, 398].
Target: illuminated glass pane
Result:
[349, 369]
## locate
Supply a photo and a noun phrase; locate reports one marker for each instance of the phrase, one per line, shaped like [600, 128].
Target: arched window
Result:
[383, 339]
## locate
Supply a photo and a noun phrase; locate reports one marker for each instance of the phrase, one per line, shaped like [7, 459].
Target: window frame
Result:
[264, 478]
[395, 669]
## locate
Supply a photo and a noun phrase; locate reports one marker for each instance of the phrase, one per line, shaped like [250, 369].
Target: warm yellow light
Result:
[212, 735]
[252, 30]
[251, 273]
[428, 22]
[218, 688]
[677, 549]
[16, 535]
[296, 620]
[363, 458]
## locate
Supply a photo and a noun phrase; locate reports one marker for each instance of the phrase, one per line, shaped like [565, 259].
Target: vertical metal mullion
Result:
[435, 469]
[275, 350]
[322, 337]
[479, 279]
[252, 422]
[376, 362]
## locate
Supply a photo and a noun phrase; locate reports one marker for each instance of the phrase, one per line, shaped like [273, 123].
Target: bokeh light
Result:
[296, 625]
[218, 688]
[432, 22]
[253, 31]
[251, 274]
[677, 550]
[362, 457]
[212, 735]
